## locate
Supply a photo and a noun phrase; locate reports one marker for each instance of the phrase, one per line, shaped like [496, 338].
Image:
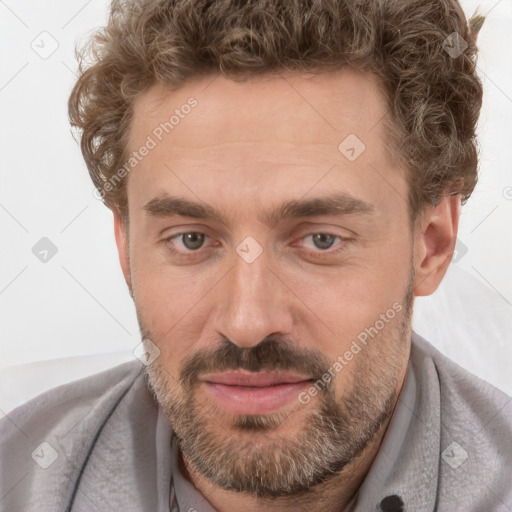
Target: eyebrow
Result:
[335, 204]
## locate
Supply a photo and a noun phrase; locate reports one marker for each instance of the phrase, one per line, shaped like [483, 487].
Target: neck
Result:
[333, 495]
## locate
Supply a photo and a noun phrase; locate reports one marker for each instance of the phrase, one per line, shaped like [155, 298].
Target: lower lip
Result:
[252, 400]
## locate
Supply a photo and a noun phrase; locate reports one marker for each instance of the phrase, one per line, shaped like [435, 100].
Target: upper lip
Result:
[254, 379]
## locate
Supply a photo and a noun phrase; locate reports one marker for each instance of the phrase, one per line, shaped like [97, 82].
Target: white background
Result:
[77, 303]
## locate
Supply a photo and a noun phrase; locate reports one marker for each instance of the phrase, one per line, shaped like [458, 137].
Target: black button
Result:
[392, 503]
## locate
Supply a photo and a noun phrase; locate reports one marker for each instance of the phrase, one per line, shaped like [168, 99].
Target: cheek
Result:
[171, 306]
[352, 298]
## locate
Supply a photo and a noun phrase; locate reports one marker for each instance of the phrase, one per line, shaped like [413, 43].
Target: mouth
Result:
[242, 392]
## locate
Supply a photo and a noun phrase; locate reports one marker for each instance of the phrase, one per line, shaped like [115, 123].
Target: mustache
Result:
[269, 355]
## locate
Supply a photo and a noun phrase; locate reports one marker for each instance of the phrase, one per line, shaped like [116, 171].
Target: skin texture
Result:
[244, 149]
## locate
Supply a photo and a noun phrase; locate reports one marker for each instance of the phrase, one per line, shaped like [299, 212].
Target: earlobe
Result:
[434, 243]
[121, 235]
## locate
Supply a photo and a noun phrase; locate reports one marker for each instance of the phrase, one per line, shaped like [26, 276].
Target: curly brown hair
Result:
[423, 51]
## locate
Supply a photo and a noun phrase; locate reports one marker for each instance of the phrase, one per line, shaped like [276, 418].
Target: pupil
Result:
[323, 241]
[193, 240]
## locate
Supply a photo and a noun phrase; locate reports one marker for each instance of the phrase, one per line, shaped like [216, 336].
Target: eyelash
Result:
[339, 248]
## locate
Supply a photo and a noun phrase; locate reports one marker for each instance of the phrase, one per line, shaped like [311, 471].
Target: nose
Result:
[253, 302]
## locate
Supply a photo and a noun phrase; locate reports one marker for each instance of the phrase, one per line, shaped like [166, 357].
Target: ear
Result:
[123, 250]
[434, 244]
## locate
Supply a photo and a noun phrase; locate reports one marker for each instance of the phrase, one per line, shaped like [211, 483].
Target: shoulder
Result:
[63, 403]
[45, 442]
[461, 392]
[475, 422]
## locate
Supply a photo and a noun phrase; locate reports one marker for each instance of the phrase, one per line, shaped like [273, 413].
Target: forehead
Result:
[274, 133]
[329, 103]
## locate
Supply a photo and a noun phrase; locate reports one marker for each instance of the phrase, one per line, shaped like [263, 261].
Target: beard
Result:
[255, 453]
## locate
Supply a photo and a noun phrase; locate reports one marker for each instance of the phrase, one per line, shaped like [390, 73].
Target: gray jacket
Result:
[100, 444]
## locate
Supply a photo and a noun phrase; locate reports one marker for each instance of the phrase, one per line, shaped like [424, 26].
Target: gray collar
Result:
[404, 474]
[188, 497]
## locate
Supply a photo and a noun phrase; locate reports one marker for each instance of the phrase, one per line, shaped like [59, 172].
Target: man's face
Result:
[283, 329]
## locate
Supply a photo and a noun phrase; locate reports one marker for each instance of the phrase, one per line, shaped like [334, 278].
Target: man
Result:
[285, 177]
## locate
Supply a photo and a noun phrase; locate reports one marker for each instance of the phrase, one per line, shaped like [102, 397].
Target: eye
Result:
[191, 241]
[322, 241]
